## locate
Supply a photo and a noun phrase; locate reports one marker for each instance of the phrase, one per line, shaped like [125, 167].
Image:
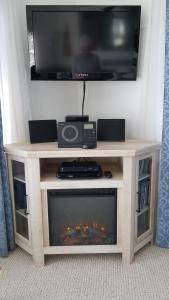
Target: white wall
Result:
[140, 102]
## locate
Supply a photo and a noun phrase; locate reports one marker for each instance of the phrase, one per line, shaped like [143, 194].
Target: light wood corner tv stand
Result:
[33, 167]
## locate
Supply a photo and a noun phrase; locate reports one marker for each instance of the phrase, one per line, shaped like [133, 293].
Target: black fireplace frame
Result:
[81, 194]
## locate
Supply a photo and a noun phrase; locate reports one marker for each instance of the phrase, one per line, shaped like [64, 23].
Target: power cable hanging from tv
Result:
[84, 96]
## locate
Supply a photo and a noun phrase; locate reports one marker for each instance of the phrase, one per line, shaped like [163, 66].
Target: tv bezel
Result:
[44, 76]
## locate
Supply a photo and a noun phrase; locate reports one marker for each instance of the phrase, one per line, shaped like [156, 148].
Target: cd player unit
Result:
[79, 169]
[77, 135]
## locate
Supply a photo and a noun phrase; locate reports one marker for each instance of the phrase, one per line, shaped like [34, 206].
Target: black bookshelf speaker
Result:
[111, 130]
[43, 131]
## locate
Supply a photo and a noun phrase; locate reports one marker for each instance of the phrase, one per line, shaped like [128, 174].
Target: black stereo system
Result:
[77, 131]
[77, 135]
[79, 169]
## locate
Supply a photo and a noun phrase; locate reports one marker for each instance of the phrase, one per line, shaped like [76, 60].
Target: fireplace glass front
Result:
[82, 217]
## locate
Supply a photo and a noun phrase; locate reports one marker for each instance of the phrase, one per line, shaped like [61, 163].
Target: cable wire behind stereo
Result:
[84, 96]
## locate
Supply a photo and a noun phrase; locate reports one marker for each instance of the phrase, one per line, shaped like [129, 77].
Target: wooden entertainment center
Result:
[32, 170]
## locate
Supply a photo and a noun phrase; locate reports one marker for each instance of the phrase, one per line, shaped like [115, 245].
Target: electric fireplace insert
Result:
[82, 217]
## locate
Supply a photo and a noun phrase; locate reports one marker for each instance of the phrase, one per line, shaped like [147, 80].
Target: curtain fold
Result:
[162, 238]
[15, 105]
[6, 220]
[13, 72]
[150, 126]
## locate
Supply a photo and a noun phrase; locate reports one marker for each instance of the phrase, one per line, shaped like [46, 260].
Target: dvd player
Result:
[79, 169]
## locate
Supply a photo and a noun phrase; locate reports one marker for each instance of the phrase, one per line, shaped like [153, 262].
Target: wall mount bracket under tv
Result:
[83, 42]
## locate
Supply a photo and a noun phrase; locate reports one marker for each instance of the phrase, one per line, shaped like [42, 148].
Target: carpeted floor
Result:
[90, 277]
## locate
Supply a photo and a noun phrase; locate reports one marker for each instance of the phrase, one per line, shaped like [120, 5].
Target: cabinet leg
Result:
[36, 223]
[127, 258]
[129, 194]
[38, 259]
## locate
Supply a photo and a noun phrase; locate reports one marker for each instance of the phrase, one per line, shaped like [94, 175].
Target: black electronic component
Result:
[108, 174]
[77, 118]
[42, 131]
[111, 130]
[79, 170]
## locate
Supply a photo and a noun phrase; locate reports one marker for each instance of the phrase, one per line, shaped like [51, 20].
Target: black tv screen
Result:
[83, 42]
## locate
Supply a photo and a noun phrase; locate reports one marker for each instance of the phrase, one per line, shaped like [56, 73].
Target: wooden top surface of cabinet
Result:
[104, 149]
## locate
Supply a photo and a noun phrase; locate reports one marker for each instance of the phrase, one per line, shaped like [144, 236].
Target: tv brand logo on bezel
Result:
[83, 74]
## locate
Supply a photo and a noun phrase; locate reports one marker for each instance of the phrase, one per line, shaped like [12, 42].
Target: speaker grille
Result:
[111, 130]
[70, 133]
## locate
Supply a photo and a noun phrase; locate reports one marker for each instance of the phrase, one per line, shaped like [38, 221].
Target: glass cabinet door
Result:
[144, 195]
[20, 199]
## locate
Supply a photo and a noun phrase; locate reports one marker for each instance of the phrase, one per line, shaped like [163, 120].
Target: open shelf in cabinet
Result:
[49, 178]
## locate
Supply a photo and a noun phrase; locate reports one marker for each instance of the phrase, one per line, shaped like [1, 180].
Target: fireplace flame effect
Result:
[85, 234]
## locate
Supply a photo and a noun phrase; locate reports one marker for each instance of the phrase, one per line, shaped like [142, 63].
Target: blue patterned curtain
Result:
[6, 224]
[162, 238]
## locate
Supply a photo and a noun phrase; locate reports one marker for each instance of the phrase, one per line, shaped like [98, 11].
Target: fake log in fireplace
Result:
[82, 217]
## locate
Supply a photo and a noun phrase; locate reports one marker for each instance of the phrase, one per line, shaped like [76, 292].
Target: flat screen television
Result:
[83, 42]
